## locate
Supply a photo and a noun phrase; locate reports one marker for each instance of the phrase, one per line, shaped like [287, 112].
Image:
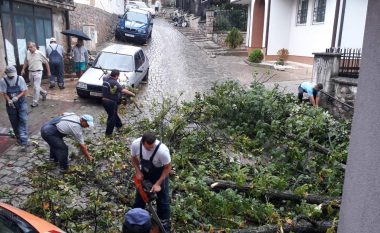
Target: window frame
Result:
[317, 11]
[302, 12]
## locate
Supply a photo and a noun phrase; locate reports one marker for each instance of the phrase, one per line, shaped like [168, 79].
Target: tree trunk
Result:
[271, 194]
[299, 227]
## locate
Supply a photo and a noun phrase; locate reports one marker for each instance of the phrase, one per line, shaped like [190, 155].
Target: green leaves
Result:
[256, 138]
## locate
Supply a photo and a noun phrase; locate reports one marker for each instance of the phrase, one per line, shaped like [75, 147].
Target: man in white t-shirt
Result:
[151, 160]
[157, 6]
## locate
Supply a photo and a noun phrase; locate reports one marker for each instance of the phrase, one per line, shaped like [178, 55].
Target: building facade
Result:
[24, 21]
[304, 26]
[110, 6]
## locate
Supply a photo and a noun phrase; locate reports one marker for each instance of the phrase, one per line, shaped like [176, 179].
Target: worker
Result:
[69, 124]
[13, 88]
[112, 92]
[313, 92]
[138, 220]
[151, 161]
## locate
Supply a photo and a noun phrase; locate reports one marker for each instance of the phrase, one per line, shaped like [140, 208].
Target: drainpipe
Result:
[341, 23]
[337, 8]
[267, 31]
[68, 27]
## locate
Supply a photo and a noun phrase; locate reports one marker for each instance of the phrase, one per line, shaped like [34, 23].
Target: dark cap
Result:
[137, 220]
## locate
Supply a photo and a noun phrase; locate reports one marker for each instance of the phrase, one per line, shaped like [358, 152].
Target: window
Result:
[142, 56]
[22, 23]
[302, 11]
[138, 62]
[111, 61]
[319, 11]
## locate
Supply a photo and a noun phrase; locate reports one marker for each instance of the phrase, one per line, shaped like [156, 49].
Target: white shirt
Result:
[161, 158]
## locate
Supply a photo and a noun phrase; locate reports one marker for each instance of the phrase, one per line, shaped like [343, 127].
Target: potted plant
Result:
[282, 56]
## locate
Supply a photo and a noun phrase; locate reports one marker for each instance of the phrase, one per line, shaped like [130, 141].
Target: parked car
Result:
[135, 25]
[131, 61]
[14, 220]
[142, 6]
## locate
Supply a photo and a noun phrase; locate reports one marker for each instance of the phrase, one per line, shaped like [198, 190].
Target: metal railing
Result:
[225, 20]
[349, 61]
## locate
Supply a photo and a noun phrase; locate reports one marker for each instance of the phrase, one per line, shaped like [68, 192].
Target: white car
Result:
[131, 61]
[142, 6]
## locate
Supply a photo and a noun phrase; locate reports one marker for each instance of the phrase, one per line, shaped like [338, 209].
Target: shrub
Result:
[234, 38]
[256, 56]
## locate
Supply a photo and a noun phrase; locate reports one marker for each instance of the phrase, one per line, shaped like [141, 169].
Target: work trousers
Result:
[18, 117]
[113, 118]
[59, 151]
[163, 200]
[56, 70]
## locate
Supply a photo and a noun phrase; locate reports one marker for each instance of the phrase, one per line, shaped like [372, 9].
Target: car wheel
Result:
[146, 77]
[145, 41]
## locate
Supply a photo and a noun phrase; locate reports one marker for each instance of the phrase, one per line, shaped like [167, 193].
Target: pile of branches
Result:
[245, 160]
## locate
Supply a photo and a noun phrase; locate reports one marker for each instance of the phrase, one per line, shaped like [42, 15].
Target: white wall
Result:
[87, 2]
[249, 26]
[279, 28]
[309, 38]
[111, 6]
[354, 23]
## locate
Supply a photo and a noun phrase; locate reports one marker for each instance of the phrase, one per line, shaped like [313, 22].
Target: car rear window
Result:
[11, 223]
[135, 16]
[110, 61]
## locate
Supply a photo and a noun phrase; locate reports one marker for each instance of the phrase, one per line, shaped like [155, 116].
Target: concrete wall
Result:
[359, 212]
[354, 22]
[110, 6]
[59, 25]
[100, 23]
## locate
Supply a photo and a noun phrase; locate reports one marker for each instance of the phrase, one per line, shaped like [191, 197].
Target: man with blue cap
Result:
[68, 124]
[13, 88]
[138, 220]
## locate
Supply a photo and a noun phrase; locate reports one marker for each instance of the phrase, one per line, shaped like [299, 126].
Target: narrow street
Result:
[176, 66]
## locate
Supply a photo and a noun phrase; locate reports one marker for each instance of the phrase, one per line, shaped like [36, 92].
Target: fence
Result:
[349, 61]
[227, 19]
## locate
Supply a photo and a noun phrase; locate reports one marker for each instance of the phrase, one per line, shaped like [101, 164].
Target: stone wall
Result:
[100, 24]
[344, 90]
[340, 91]
[220, 37]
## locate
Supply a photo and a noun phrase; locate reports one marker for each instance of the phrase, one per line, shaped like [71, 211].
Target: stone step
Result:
[199, 40]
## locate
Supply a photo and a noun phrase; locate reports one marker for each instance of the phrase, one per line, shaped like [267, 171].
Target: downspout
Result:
[337, 8]
[68, 27]
[267, 33]
[341, 23]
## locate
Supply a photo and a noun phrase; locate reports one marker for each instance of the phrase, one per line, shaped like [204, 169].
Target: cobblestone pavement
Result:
[176, 66]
